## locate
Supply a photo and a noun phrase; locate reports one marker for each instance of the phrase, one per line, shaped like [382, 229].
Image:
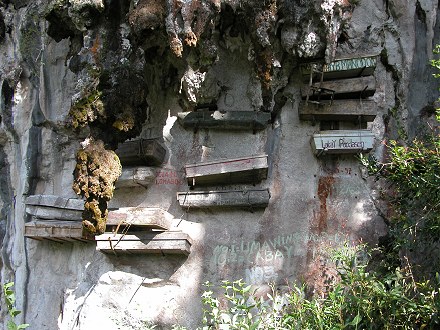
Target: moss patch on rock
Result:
[95, 174]
[86, 110]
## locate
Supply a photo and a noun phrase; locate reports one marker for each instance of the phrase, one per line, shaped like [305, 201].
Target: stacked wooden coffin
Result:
[339, 92]
[142, 230]
[55, 218]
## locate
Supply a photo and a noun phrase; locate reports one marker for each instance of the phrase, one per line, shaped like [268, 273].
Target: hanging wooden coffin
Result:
[141, 152]
[228, 171]
[153, 242]
[57, 231]
[143, 217]
[254, 198]
[342, 68]
[225, 120]
[339, 110]
[135, 177]
[54, 207]
[355, 88]
[342, 142]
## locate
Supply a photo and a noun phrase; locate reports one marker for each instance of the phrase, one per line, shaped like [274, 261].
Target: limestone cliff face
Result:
[73, 71]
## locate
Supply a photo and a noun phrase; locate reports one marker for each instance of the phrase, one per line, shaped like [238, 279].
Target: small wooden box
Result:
[141, 152]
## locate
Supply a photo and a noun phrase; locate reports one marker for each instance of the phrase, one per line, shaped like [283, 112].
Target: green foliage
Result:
[242, 312]
[436, 64]
[362, 299]
[9, 295]
[414, 174]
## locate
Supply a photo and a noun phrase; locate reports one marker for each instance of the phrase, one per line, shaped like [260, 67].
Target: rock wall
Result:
[147, 61]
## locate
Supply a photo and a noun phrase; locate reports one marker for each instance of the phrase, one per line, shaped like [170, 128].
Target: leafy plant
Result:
[10, 305]
[241, 312]
[436, 64]
[361, 299]
[414, 174]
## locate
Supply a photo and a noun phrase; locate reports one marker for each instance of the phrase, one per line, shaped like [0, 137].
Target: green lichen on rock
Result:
[95, 174]
[86, 110]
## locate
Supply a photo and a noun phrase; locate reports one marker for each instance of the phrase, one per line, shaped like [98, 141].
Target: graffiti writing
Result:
[272, 251]
[165, 177]
[260, 274]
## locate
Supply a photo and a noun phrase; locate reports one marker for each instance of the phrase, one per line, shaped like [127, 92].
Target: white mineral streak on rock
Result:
[191, 83]
[310, 45]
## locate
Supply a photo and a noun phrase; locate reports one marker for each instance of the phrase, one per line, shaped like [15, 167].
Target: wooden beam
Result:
[339, 110]
[253, 198]
[145, 243]
[238, 170]
[346, 88]
[150, 217]
[225, 120]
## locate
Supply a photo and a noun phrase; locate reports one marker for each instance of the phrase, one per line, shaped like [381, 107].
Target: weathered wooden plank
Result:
[141, 152]
[238, 170]
[64, 231]
[253, 198]
[345, 88]
[136, 176]
[145, 243]
[151, 217]
[343, 67]
[225, 120]
[342, 142]
[339, 110]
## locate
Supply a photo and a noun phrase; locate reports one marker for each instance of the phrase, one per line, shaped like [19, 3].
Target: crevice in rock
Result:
[420, 13]
[7, 101]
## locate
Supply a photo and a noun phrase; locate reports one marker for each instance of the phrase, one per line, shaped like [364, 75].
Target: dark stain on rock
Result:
[325, 186]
